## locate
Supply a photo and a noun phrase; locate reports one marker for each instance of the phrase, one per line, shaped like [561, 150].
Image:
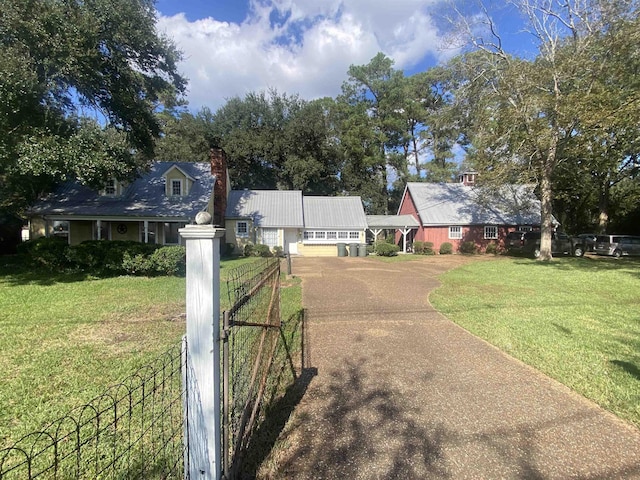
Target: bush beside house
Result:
[105, 257]
[446, 248]
[387, 249]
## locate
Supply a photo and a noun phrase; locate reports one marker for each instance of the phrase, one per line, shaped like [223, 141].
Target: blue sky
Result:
[232, 47]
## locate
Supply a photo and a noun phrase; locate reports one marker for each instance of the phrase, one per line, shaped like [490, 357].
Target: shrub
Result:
[137, 265]
[492, 248]
[423, 248]
[278, 251]
[48, 252]
[247, 251]
[446, 248]
[468, 247]
[428, 248]
[106, 256]
[260, 250]
[229, 248]
[387, 249]
[169, 260]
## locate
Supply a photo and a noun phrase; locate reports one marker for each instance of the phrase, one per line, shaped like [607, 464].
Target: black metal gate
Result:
[250, 333]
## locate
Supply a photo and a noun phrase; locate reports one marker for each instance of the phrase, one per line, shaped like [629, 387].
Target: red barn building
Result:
[461, 212]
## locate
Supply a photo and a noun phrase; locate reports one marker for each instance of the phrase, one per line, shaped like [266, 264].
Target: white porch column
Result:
[376, 232]
[146, 231]
[405, 231]
[99, 227]
[203, 431]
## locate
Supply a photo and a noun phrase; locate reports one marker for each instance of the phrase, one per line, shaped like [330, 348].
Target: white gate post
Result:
[202, 416]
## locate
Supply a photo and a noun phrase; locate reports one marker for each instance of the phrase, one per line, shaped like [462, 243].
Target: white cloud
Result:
[307, 51]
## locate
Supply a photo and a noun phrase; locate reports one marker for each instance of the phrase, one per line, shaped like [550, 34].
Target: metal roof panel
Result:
[267, 208]
[457, 204]
[334, 212]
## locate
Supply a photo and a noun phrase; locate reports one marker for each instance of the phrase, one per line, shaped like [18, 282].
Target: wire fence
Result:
[251, 330]
[132, 431]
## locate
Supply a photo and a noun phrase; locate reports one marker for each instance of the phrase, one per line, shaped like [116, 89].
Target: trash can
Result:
[353, 249]
[362, 250]
[342, 249]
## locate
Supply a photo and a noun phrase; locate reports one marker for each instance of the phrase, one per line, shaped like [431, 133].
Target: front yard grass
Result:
[67, 337]
[575, 319]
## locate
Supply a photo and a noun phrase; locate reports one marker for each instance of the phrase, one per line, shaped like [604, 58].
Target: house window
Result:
[110, 188]
[61, 229]
[176, 188]
[148, 236]
[102, 231]
[321, 236]
[490, 232]
[171, 235]
[242, 229]
[270, 236]
[455, 233]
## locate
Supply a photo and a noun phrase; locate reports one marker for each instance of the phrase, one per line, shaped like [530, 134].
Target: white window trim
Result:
[341, 236]
[244, 234]
[490, 237]
[455, 232]
[181, 182]
[112, 182]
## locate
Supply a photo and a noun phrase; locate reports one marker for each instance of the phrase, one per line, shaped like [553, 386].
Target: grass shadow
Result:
[628, 367]
[16, 271]
[588, 263]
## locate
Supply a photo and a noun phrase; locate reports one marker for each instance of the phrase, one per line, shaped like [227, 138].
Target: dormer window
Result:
[176, 188]
[178, 183]
[110, 188]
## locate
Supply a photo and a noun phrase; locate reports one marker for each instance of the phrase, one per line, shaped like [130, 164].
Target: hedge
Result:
[105, 257]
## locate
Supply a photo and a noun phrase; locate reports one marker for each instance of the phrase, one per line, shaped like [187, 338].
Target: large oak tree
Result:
[80, 83]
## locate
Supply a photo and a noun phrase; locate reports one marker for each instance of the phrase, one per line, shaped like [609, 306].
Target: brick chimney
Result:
[218, 159]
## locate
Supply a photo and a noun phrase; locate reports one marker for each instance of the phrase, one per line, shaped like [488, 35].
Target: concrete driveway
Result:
[403, 393]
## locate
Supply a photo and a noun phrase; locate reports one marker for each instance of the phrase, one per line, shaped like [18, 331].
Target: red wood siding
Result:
[408, 208]
[470, 233]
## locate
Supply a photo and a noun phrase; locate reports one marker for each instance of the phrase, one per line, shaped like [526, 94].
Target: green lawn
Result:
[575, 319]
[66, 337]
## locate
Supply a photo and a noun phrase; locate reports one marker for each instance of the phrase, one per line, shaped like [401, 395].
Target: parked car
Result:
[561, 243]
[617, 245]
[514, 241]
[588, 240]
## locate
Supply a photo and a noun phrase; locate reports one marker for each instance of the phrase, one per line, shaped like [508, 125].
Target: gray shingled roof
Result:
[392, 221]
[457, 204]
[334, 212]
[267, 208]
[144, 197]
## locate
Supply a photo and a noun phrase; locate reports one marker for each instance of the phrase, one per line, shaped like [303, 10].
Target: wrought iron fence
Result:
[251, 329]
[132, 431]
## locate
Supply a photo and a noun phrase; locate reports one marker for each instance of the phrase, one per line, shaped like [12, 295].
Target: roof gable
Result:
[457, 204]
[267, 208]
[176, 167]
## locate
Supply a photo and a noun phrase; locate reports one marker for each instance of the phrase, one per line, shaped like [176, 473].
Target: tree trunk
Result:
[546, 198]
[603, 206]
